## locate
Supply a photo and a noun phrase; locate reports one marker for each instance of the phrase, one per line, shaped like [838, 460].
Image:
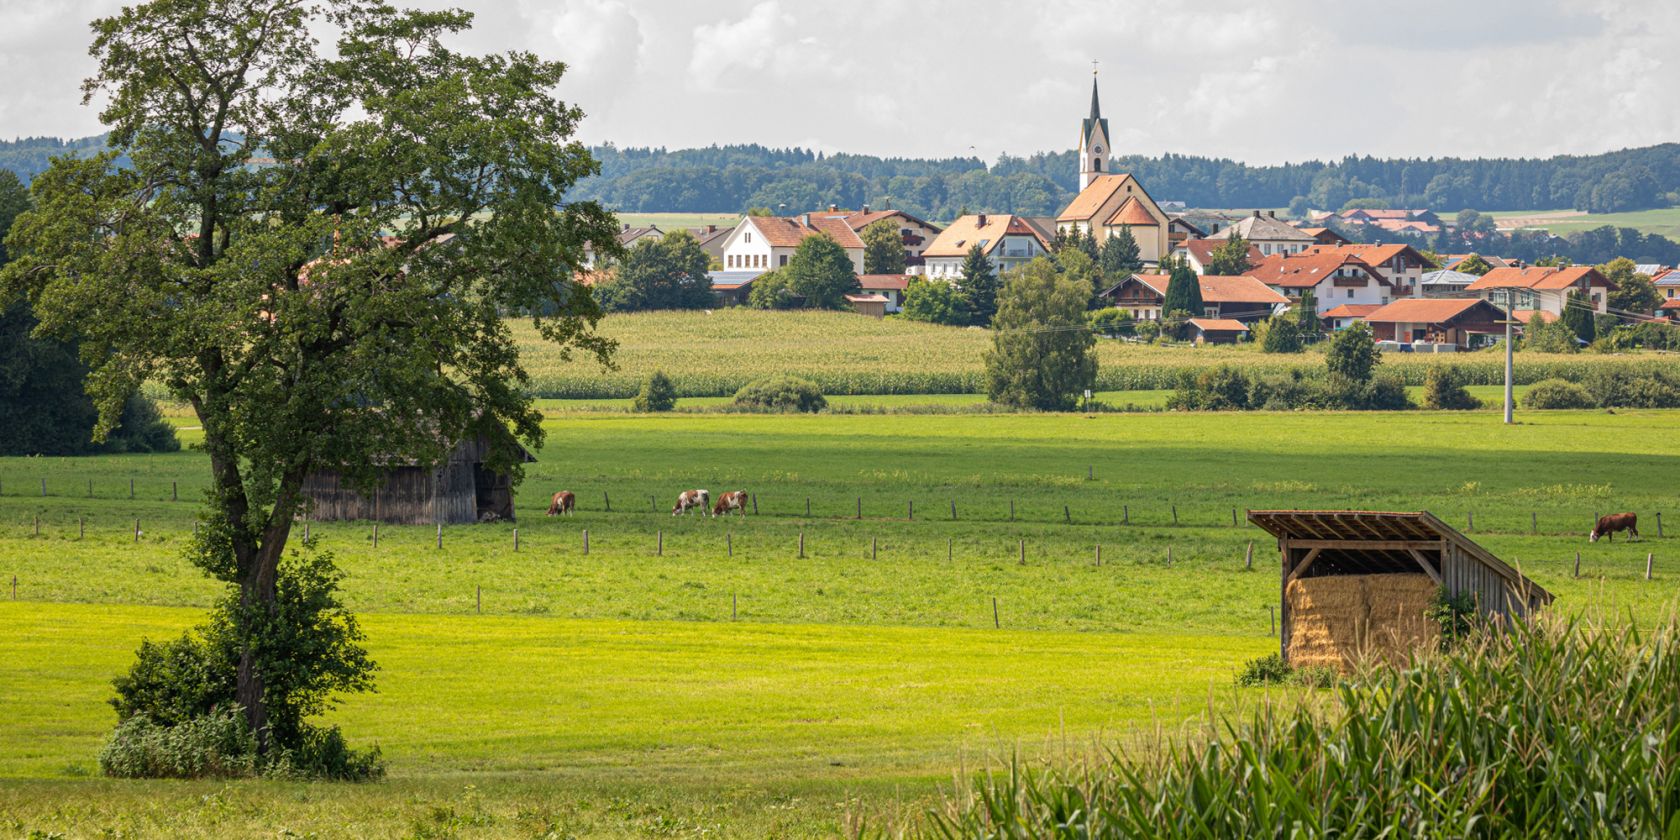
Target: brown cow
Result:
[1610, 523]
[562, 503]
[732, 500]
[691, 499]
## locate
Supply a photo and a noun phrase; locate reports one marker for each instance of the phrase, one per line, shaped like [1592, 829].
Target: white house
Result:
[1266, 233]
[1009, 241]
[1542, 289]
[1334, 279]
[914, 232]
[761, 243]
[1402, 265]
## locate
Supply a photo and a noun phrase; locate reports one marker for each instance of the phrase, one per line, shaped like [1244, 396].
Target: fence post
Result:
[376, 533]
[14, 587]
[306, 530]
[995, 623]
[1533, 522]
[480, 596]
[910, 510]
[516, 540]
[653, 507]
[949, 544]
[755, 504]
[1067, 516]
[1011, 510]
[954, 513]
[1023, 560]
[802, 545]
[1470, 521]
[131, 488]
[1248, 556]
[1090, 473]
[90, 488]
[807, 507]
[81, 528]
[1577, 564]
[586, 542]
[440, 535]
[43, 488]
[606, 500]
[1175, 516]
[1233, 517]
[1271, 610]
[732, 606]
[659, 547]
[174, 492]
[1125, 514]
[872, 548]
[37, 526]
[1659, 523]
[136, 530]
[1099, 554]
[1647, 565]
[859, 508]
[1169, 555]
[729, 542]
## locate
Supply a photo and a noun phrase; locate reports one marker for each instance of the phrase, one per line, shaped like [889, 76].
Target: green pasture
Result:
[671, 221]
[1664, 221]
[696, 676]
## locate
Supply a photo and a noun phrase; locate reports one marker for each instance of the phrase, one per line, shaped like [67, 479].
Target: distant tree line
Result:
[729, 179]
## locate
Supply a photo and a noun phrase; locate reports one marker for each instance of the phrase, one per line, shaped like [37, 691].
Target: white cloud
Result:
[750, 43]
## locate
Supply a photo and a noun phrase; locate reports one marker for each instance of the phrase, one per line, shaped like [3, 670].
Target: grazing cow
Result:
[562, 503]
[689, 499]
[732, 500]
[1610, 523]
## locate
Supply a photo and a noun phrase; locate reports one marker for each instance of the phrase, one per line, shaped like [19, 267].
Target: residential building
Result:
[1446, 283]
[628, 236]
[1668, 284]
[1461, 323]
[1543, 289]
[1267, 233]
[1325, 236]
[1452, 261]
[761, 243]
[1345, 315]
[1402, 265]
[711, 239]
[1333, 278]
[1179, 229]
[1362, 216]
[916, 233]
[1239, 298]
[1008, 241]
[1199, 253]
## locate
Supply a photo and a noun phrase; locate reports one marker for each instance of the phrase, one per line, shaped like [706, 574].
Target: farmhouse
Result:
[761, 243]
[461, 490]
[1268, 234]
[1008, 241]
[1542, 288]
[1333, 278]
[1325, 236]
[1357, 583]
[1243, 299]
[915, 233]
[1402, 265]
[1199, 253]
[1463, 323]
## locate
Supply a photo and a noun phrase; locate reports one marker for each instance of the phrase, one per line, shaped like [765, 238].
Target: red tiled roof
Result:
[1526, 315]
[1223, 324]
[1373, 254]
[1544, 278]
[1220, 288]
[1091, 199]
[1430, 310]
[1132, 213]
[1671, 303]
[1352, 310]
[884, 281]
[1202, 250]
[789, 231]
[1308, 269]
[967, 232]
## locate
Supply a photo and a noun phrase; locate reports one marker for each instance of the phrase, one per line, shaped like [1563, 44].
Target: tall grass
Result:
[709, 354]
[1557, 729]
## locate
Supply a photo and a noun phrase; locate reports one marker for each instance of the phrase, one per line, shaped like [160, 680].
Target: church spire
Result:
[1093, 139]
[1096, 110]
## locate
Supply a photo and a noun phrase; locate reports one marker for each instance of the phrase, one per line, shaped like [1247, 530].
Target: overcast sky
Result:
[1256, 80]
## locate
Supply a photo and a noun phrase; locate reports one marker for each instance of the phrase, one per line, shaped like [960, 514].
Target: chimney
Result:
[805, 219]
[711, 228]
[982, 220]
[1272, 213]
[626, 227]
[1257, 214]
[1213, 229]
[866, 209]
[833, 208]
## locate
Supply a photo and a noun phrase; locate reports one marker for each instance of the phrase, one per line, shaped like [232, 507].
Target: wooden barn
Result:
[461, 490]
[1358, 583]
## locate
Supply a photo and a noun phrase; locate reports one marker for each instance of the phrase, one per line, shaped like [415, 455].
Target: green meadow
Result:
[690, 676]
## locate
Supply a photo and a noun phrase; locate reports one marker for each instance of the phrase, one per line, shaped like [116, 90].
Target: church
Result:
[1109, 201]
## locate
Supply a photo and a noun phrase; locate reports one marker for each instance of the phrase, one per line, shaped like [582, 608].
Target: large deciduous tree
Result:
[1230, 258]
[316, 250]
[1043, 351]
[883, 248]
[820, 272]
[667, 273]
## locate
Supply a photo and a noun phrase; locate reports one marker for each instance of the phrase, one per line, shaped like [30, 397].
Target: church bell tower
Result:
[1094, 147]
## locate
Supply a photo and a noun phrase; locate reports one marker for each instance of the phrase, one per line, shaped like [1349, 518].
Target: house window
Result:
[784, 260]
[747, 237]
[1350, 293]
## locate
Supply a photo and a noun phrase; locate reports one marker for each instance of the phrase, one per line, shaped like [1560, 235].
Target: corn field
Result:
[711, 354]
[1561, 729]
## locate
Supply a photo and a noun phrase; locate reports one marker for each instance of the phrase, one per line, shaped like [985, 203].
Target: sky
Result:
[1260, 82]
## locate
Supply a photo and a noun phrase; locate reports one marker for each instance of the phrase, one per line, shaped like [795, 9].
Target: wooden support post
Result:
[1577, 564]
[996, 624]
[440, 535]
[131, 488]
[606, 500]
[37, 526]
[306, 530]
[174, 492]
[1248, 556]
[659, 546]
[1233, 517]
[949, 547]
[729, 543]
[1169, 555]
[872, 548]
[1533, 522]
[1175, 516]
[1090, 472]
[733, 604]
[1470, 521]
[136, 530]
[1023, 560]
[376, 534]
[859, 508]
[954, 511]
[652, 506]
[516, 540]
[1125, 514]
[81, 528]
[14, 587]
[1271, 610]
[807, 507]
[43, 488]
[910, 510]
[1648, 558]
[480, 597]
[586, 542]
[755, 504]
[1099, 554]
[1067, 516]
[195, 527]
[802, 545]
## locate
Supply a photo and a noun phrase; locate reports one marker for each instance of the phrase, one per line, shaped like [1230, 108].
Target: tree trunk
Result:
[259, 586]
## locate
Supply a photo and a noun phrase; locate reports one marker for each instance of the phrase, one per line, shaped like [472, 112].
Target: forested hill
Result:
[729, 179]
[734, 178]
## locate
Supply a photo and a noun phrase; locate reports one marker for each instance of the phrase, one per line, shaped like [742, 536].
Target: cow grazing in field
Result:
[1610, 523]
[732, 500]
[689, 499]
[562, 503]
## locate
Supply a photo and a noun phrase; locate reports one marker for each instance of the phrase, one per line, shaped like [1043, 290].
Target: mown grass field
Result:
[718, 683]
[1663, 221]
[714, 353]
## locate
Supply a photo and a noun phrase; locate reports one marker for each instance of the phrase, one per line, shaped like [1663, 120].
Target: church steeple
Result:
[1093, 139]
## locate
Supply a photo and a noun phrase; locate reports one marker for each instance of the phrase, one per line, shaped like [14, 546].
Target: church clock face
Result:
[1097, 150]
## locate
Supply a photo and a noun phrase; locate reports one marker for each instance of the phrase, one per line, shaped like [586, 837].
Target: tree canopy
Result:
[883, 248]
[1043, 350]
[1184, 289]
[1230, 258]
[339, 303]
[821, 273]
[935, 302]
[666, 273]
[1119, 257]
[979, 286]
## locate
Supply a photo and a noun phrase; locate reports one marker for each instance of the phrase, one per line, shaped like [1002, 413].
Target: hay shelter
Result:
[1358, 583]
[461, 490]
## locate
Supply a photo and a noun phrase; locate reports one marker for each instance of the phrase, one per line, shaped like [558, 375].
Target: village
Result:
[1413, 300]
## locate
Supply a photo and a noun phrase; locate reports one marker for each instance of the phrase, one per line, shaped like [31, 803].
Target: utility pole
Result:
[1509, 402]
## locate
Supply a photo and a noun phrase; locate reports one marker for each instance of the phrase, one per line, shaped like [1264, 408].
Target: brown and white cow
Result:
[562, 503]
[1610, 523]
[690, 499]
[732, 500]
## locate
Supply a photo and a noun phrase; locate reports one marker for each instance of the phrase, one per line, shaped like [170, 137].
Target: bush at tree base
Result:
[783, 393]
[1557, 393]
[1444, 390]
[1549, 728]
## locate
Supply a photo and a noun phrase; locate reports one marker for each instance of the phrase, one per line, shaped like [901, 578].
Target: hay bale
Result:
[1337, 620]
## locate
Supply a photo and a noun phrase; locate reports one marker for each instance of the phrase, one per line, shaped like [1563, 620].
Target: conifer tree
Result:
[1184, 289]
[979, 286]
[1120, 255]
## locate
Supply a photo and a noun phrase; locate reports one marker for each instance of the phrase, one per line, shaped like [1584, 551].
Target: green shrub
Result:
[213, 745]
[1557, 393]
[1546, 729]
[1621, 388]
[1111, 321]
[783, 393]
[1278, 335]
[1455, 615]
[1443, 389]
[657, 394]
[1267, 670]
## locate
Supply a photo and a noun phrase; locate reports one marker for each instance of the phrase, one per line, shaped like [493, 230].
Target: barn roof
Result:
[1368, 542]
